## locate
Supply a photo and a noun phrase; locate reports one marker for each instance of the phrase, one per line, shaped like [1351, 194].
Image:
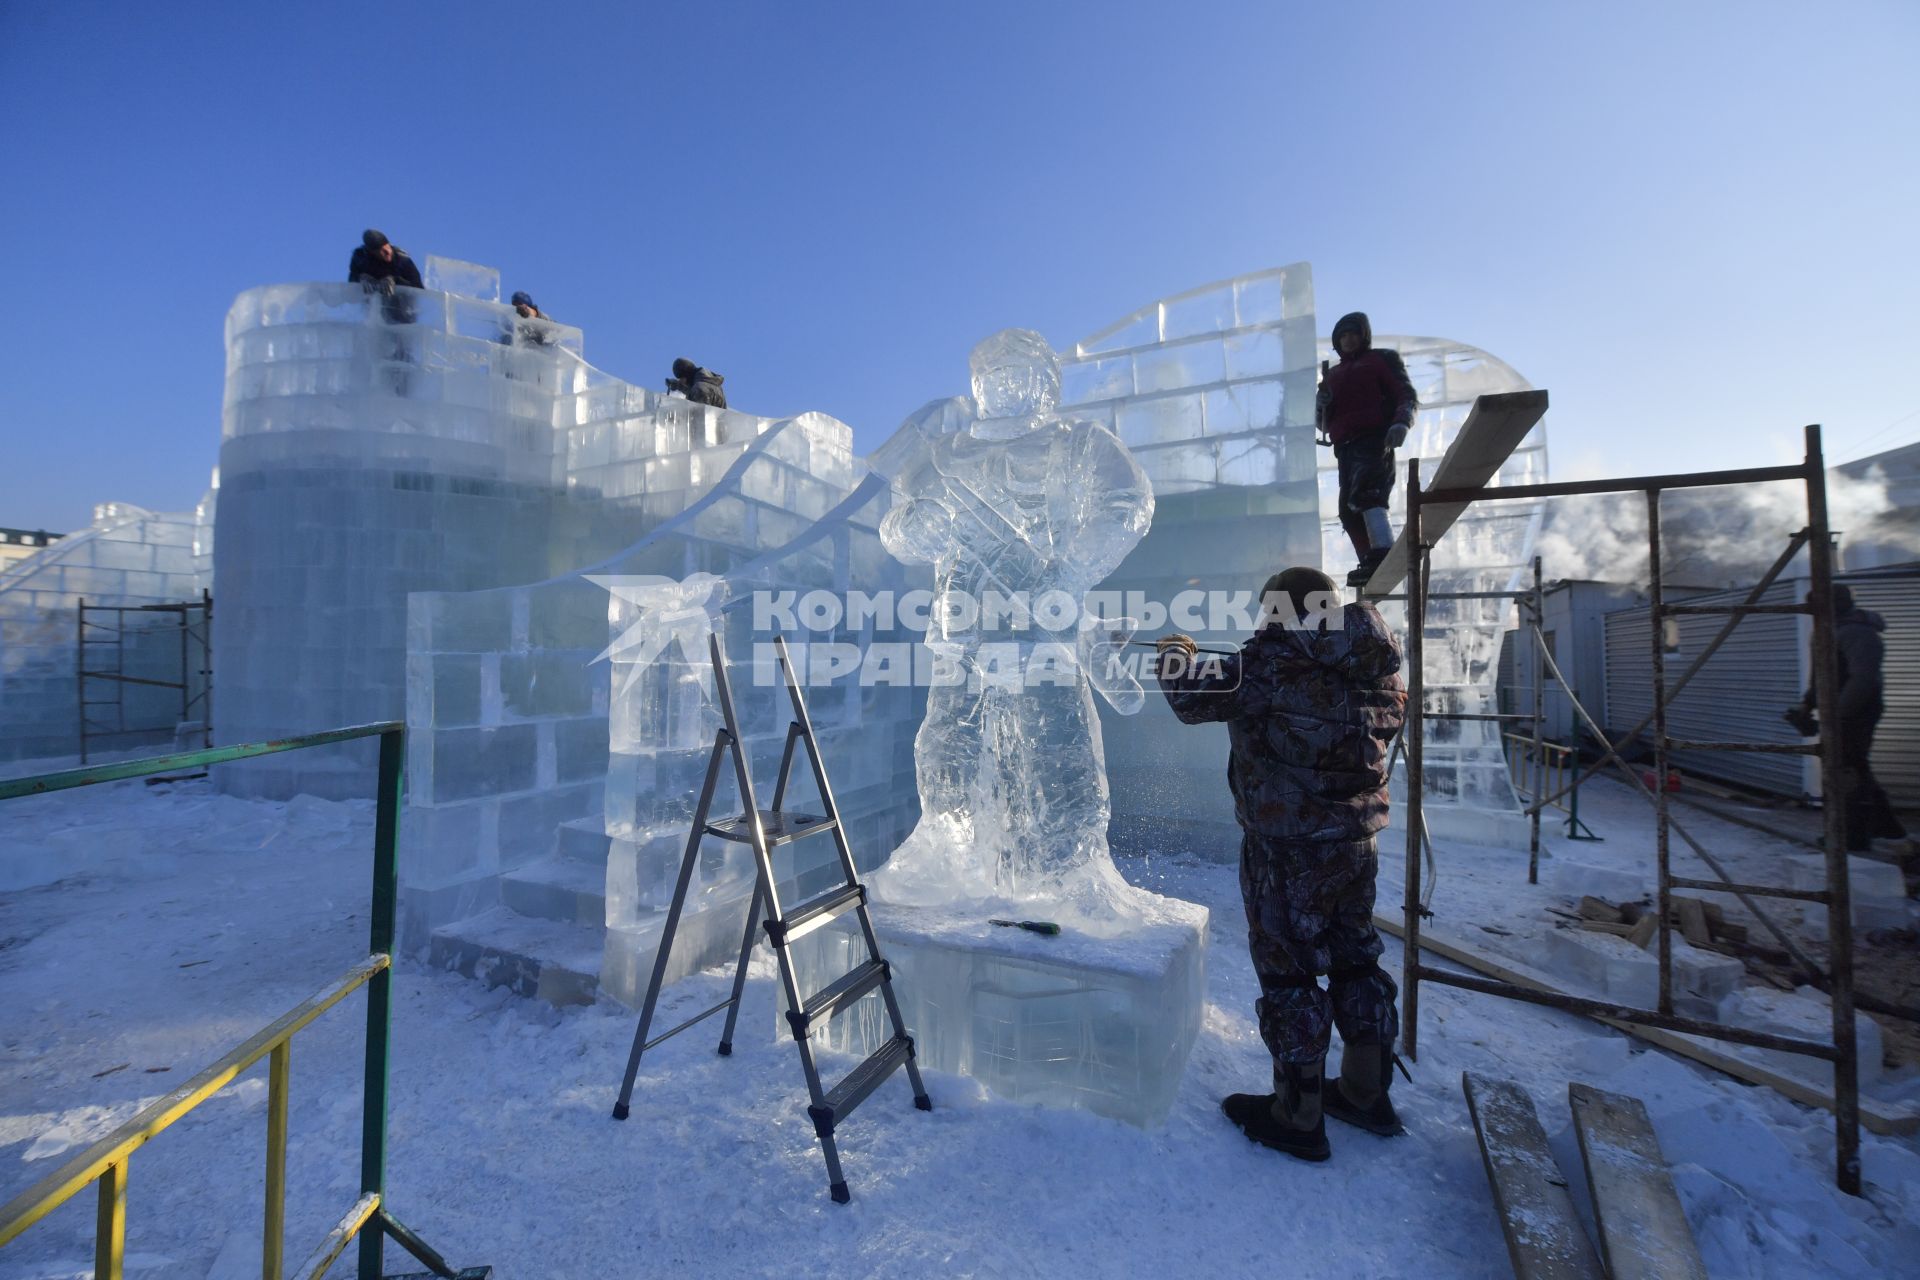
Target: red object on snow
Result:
[1673, 779]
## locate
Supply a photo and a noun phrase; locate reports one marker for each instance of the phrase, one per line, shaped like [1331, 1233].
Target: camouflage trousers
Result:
[1310, 912]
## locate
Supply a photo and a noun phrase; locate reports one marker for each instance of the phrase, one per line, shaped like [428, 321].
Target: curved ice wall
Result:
[1468, 792]
[1212, 390]
[375, 447]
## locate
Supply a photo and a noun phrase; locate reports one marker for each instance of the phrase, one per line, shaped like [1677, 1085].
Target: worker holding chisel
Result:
[1311, 711]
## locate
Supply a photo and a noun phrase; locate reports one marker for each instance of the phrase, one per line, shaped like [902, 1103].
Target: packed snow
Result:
[143, 931]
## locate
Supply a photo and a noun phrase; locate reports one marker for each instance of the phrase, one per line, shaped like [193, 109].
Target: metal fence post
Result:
[1412, 735]
[273, 1231]
[1662, 857]
[1834, 785]
[1538, 606]
[386, 893]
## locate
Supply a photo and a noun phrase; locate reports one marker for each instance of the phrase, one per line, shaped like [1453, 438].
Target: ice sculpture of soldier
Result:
[1010, 503]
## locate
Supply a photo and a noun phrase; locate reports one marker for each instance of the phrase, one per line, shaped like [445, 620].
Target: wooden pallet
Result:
[1643, 1230]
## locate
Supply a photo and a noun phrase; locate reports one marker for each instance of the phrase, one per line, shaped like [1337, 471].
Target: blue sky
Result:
[1693, 222]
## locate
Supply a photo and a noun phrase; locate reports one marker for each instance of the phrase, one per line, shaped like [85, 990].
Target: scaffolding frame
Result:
[1532, 602]
[196, 638]
[1816, 539]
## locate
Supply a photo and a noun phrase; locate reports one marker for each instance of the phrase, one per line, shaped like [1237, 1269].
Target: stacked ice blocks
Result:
[127, 556]
[1100, 1024]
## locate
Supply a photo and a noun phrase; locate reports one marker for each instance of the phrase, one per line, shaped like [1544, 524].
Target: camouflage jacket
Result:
[1311, 715]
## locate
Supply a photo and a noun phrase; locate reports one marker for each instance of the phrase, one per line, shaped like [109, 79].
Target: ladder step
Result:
[807, 917]
[840, 993]
[781, 827]
[860, 1082]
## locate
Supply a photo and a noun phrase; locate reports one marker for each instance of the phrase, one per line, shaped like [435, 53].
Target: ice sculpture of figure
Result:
[1014, 506]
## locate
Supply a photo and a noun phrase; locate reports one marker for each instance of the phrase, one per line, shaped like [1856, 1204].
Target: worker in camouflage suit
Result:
[1312, 704]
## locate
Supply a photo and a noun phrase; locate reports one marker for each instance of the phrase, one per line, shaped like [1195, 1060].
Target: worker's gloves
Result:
[1800, 716]
[1396, 435]
[372, 285]
[1185, 643]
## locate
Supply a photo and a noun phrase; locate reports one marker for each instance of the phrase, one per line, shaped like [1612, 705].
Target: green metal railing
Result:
[1541, 769]
[105, 1162]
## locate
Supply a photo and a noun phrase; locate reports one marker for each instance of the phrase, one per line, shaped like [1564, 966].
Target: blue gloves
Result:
[1396, 435]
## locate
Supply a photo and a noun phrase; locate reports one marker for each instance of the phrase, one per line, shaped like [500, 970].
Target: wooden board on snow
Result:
[1545, 1240]
[1643, 1230]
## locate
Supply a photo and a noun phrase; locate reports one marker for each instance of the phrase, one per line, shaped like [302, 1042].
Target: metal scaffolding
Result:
[1838, 983]
[100, 643]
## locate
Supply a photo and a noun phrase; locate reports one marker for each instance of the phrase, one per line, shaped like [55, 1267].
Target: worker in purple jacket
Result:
[1364, 407]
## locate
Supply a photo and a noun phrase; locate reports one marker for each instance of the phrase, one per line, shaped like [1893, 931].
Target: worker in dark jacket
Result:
[379, 261]
[1364, 408]
[378, 265]
[1311, 712]
[702, 386]
[1859, 653]
[534, 327]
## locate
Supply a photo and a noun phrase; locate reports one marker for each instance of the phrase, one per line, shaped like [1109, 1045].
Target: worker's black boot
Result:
[1363, 572]
[1359, 1096]
[1288, 1119]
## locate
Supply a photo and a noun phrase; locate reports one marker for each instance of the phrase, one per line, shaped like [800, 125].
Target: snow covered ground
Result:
[143, 931]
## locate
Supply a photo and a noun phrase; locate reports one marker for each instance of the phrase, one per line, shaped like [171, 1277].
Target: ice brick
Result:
[1100, 1024]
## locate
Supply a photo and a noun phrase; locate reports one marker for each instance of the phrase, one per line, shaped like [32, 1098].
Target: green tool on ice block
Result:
[1047, 927]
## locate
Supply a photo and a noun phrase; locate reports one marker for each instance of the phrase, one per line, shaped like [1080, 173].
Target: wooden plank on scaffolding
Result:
[1877, 1116]
[1492, 431]
[1643, 1230]
[1545, 1240]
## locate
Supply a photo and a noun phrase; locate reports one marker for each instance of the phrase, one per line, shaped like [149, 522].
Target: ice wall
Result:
[127, 556]
[1489, 548]
[435, 441]
[551, 794]
[1212, 391]
[663, 729]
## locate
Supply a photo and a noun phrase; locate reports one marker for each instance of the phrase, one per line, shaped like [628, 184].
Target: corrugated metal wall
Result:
[1760, 671]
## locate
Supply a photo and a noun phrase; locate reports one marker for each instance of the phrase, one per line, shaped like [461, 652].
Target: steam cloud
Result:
[1709, 537]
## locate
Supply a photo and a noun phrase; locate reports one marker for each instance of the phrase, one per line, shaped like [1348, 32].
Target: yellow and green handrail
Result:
[1545, 774]
[105, 1162]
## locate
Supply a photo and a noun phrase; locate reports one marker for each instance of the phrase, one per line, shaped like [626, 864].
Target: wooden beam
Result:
[1643, 1230]
[1878, 1117]
[1493, 430]
[1545, 1240]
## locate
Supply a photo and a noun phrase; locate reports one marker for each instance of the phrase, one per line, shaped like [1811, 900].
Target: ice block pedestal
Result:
[1102, 1023]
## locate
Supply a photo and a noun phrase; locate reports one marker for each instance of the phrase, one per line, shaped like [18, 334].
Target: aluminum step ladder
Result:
[765, 830]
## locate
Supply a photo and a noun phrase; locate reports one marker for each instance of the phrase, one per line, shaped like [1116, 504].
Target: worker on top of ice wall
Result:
[702, 386]
[1363, 409]
[378, 265]
[1312, 704]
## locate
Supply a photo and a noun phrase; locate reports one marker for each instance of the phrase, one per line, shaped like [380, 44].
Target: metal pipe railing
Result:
[105, 1162]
